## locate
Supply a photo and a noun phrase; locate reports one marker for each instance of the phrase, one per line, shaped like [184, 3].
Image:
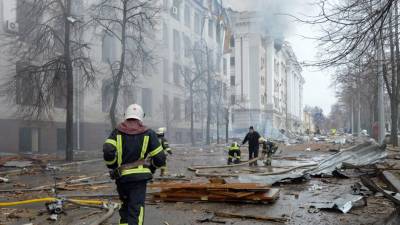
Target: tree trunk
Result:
[208, 138]
[395, 91]
[191, 117]
[217, 126]
[118, 78]
[70, 85]
[394, 106]
[227, 125]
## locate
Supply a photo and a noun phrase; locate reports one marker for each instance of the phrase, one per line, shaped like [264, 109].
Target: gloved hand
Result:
[169, 152]
[152, 169]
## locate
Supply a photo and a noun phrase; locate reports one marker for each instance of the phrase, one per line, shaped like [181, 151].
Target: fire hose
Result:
[50, 199]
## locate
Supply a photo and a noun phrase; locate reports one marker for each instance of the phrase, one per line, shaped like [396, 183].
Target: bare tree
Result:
[130, 23]
[355, 31]
[47, 48]
[192, 78]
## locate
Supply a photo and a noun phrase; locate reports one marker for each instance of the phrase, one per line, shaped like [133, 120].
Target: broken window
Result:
[233, 81]
[165, 34]
[175, 9]
[61, 142]
[218, 34]
[187, 16]
[107, 88]
[225, 65]
[147, 96]
[166, 70]
[210, 28]
[218, 62]
[25, 17]
[177, 109]
[186, 42]
[29, 139]
[197, 23]
[26, 88]
[187, 74]
[108, 49]
[60, 93]
[177, 75]
[232, 41]
[187, 110]
[177, 42]
[232, 60]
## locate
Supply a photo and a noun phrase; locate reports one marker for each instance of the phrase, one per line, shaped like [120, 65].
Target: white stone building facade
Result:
[265, 78]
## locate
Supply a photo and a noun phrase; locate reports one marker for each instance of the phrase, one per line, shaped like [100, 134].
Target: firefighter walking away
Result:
[164, 143]
[133, 153]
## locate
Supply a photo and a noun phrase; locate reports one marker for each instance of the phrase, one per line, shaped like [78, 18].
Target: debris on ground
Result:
[4, 180]
[307, 183]
[253, 217]
[210, 218]
[214, 192]
[344, 203]
[18, 164]
[392, 181]
[359, 155]
[370, 184]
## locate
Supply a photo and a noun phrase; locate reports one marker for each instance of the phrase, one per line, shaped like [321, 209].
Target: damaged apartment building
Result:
[266, 85]
[161, 90]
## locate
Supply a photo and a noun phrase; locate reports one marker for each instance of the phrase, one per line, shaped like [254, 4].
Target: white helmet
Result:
[134, 111]
[161, 130]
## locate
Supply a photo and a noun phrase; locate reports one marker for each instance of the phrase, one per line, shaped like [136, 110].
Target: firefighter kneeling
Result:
[269, 148]
[234, 153]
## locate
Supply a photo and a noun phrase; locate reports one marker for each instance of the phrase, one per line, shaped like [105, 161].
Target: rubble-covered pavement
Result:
[321, 195]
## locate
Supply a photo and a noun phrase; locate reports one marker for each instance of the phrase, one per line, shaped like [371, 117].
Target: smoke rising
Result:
[274, 12]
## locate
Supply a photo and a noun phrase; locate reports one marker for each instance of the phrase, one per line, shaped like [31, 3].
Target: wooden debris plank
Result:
[268, 196]
[239, 186]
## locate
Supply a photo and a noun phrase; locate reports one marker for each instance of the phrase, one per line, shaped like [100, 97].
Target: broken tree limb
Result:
[245, 216]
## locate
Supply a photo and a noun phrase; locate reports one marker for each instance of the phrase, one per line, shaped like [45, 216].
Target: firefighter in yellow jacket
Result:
[133, 153]
[234, 153]
[268, 149]
[165, 146]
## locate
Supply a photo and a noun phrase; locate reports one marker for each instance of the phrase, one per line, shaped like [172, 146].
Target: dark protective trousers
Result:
[234, 156]
[133, 197]
[253, 153]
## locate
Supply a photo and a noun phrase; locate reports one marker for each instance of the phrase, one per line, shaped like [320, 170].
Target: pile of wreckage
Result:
[217, 190]
[239, 183]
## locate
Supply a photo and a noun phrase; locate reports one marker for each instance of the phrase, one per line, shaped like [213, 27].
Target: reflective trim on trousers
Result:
[141, 216]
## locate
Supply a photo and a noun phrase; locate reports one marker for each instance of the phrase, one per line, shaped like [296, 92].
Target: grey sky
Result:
[317, 90]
